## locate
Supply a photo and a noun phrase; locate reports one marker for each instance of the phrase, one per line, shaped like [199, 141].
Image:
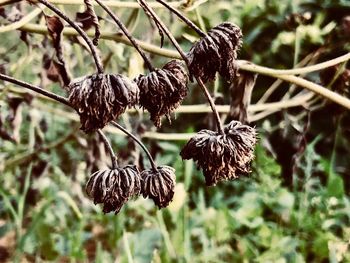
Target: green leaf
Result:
[335, 186]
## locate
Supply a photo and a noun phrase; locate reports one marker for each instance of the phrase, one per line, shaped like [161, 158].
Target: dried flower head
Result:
[163, 90]
[113, 188]
[101, 98]
[222, 156]
[159, 185]
[216, 52]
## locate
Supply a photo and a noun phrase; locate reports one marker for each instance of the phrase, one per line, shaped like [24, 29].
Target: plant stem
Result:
[183, 18]
[212, 105]
[184, 57]
[36, 89]
[127, 34]
[93, 49]
[138, 141]
[333, 96]
[109, 148]
[246, 65]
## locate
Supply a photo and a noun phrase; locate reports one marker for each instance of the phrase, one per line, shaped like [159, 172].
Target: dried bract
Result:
[113, 188]
[163, 90]
[216, 52]
[159, 185]
[101, 98]
[222, 156]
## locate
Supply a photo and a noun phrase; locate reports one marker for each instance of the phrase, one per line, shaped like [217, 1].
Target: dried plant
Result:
[216, 52]
[222, 156]
[159, 184]
[101, 98]
[163, 90]
[113, 188]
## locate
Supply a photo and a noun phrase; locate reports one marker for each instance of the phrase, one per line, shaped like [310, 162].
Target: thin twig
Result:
[36, 89]
[93, 49]
[109, 148]
[138, 141]
[184, 57]
[183, 18]
[127, 34]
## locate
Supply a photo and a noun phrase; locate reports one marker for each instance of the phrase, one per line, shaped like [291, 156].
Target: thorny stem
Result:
[138, 141]
[36, 89]
[93, 49]
[145, 6]
[183, 18]
[109, 148]
[127, 34]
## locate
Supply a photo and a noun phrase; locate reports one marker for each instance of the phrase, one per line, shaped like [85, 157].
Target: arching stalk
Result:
[137, 140]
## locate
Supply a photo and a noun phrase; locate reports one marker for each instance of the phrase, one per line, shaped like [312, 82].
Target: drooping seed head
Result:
[113, 188]
[163, 90]
[101, 98]
[216, 52]
[159, 185]
[222, 157]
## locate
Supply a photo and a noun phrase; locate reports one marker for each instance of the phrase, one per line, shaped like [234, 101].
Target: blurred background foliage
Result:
[295, 207]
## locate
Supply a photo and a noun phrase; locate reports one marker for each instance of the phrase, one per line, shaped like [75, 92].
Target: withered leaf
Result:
[241, 91]
[88, 19]
[55, 27]
[57, 71]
